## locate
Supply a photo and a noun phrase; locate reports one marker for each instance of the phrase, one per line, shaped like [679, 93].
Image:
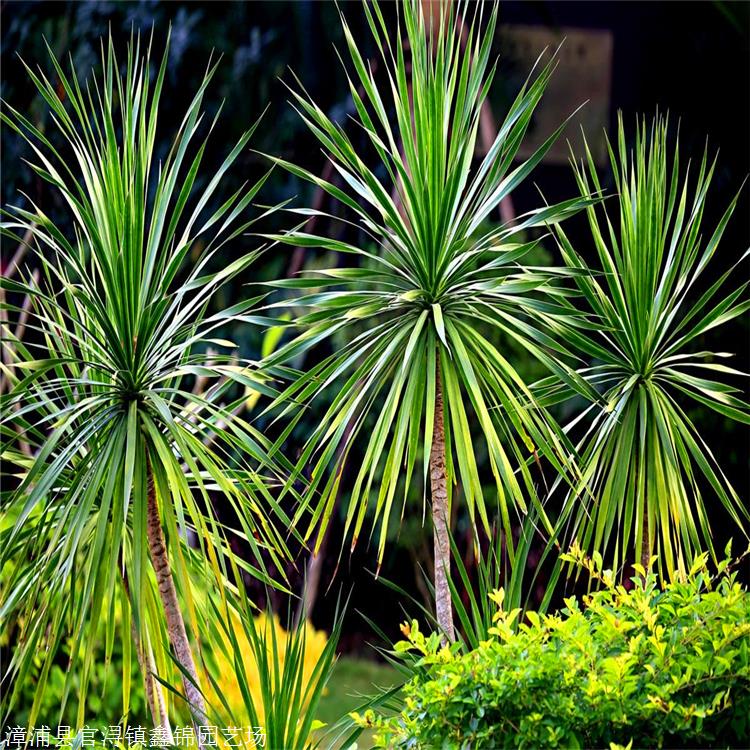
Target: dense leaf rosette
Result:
[432, 286]
[644, 461]
[113, 387]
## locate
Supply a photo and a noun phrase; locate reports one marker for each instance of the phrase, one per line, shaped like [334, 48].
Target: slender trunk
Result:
[153, 689]
[314, 569]
[175, 624]
[645, 543]
[440, 517]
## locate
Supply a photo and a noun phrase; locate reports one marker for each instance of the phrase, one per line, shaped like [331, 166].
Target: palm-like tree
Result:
[434, 288]
[126, 449]
[643, 458]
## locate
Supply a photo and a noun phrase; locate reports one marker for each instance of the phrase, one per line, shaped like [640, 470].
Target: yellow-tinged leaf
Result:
[437, 314]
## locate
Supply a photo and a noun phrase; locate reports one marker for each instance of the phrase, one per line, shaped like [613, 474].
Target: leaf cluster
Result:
[651, 665]
[653, 296]
[431, 286]
[102, 391]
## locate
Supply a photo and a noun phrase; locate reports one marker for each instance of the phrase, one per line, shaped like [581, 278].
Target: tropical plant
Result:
[114, 389]
[643, 458]
[651, 666]
[302, 642]
[475, 604]
[278, 676]
[488, 571]
[431, 276]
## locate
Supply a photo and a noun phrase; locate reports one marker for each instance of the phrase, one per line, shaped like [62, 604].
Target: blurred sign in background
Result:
[583, 76]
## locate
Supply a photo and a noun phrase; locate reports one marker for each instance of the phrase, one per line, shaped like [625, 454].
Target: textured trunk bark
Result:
[645, 545]
[440, 517]
[175, 624]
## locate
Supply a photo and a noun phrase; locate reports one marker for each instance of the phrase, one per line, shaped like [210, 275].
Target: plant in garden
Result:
[266, 645]
[126, 448]
[643, 458]
[278, 676]
[651, 666]
[475, 604]
[476, 580]
[432, 278]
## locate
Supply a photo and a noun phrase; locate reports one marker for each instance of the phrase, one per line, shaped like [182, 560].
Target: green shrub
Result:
[655, 666]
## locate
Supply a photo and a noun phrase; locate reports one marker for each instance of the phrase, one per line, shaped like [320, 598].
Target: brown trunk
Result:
[645, 544]
[175, 624]
[153, 689]
[440, 517]
[312, 581]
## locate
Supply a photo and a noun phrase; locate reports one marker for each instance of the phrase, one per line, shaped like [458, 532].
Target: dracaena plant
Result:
[643, 458]
[126, 416]
[430, 289]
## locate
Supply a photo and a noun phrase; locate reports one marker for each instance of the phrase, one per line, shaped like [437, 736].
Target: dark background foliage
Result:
[690, 58]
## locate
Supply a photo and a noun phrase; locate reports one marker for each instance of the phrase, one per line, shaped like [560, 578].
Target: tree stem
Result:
[441, 517]
[153, 689]
[175, 624]
[645, 543]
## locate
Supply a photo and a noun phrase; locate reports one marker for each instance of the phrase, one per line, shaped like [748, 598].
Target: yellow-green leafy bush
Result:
[656, 666]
